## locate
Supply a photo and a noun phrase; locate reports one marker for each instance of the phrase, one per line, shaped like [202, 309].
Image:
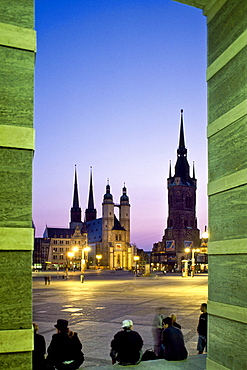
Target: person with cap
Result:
[126, 346]
[65, 349]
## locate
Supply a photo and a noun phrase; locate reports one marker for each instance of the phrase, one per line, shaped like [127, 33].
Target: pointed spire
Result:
[91, 212]
[90, 197]
[75, 196]
[194, 175]
[170, 169]
[181, 149]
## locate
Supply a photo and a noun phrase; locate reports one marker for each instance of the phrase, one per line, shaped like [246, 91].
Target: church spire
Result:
[181, 149]
[75, 196]
[75, 212]
[182, 168]
[91, 213]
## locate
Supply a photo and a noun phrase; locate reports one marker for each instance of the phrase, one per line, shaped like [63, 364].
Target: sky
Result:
[111, 77]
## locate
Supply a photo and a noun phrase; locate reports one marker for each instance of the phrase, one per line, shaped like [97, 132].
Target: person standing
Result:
[39, 349]
[202, 329]
[157, 328]
[173, 342]
[65, 349]
[126, 346]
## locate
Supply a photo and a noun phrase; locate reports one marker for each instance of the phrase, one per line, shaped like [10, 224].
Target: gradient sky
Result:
[111, 77]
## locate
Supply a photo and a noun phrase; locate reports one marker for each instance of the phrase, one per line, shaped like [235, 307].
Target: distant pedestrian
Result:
[126, 346]
[39, 350]
[157, 328]
[173, 342]
[46, 279]
[174, 321]
[49, 279]
[202, 329]
[65, 349]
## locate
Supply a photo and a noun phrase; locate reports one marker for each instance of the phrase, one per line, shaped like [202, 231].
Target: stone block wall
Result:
[227, 187]
[17, 55]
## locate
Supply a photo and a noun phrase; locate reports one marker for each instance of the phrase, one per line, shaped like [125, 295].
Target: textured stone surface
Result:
[226, 278]
[16, 87]
[16, 290]
[16, 187]
[16, 361]
[227, 349]
[227, 214]
[232, 17]
[226, 154]
[17, 12]
[227, 89]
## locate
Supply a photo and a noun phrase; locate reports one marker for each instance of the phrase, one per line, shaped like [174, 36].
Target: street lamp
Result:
[193, 251]
[70, 255]
[98, 257]
[83, 259]
[136, 259]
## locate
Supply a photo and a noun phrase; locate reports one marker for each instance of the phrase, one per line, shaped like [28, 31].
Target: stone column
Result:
[227, 188]
[17, 55]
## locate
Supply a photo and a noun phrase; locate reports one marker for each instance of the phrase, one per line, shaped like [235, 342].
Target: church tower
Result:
[124, 213]
[91, 212]
[75, 212]
[181, 231]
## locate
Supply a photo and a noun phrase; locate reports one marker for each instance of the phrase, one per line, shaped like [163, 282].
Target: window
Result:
[67, 242]
[61, 241]
[116, 237]
[54, 249]
[61, 257]
[120, 237]
[61, 249]
[54, 241]
[55, 257]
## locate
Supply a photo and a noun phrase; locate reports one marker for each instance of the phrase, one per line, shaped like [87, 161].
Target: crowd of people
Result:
[65, 349]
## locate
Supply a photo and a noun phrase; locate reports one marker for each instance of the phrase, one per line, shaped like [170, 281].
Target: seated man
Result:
[126, 345]
[173, 342]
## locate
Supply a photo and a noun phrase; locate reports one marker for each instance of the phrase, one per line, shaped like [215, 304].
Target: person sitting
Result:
[39, 349]
[126, 346]
[65, 349]
[173, 342]
[174, 321]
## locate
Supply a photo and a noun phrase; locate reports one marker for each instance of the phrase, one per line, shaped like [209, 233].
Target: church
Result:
[181, 231]
[94, 242]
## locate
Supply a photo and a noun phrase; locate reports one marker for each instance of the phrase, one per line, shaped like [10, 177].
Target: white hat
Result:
[127, 323]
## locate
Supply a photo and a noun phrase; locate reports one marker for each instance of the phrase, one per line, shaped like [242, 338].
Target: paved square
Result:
[96, 308]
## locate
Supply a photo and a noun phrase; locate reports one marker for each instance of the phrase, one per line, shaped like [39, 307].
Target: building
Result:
[181, 231]
[102, 242]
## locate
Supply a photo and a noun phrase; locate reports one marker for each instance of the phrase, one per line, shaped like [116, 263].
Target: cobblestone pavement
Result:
[96, 308]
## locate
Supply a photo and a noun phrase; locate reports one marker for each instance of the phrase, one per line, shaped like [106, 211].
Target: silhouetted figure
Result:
[39, 350]
[65, 349]
[202, 329]
[173, 342]
[126, 345]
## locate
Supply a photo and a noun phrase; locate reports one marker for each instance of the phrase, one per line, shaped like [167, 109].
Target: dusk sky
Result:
[111, 78]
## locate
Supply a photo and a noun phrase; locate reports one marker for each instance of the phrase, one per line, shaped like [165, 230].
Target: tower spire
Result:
[75, 196]
[181, 149]
[75, 212]
[91, 213]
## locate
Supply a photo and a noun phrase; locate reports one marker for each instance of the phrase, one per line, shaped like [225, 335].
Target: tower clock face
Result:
[169, 233]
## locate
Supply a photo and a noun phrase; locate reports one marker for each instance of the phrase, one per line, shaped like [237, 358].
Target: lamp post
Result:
[98, 257]
[193, 251]
[83, 259]
[136, 259]
[70, 255]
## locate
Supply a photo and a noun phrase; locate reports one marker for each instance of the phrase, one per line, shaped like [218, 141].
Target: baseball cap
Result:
[127, 323]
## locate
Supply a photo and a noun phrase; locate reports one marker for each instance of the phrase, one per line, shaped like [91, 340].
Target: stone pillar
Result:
[17, 55]
[227, 188]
